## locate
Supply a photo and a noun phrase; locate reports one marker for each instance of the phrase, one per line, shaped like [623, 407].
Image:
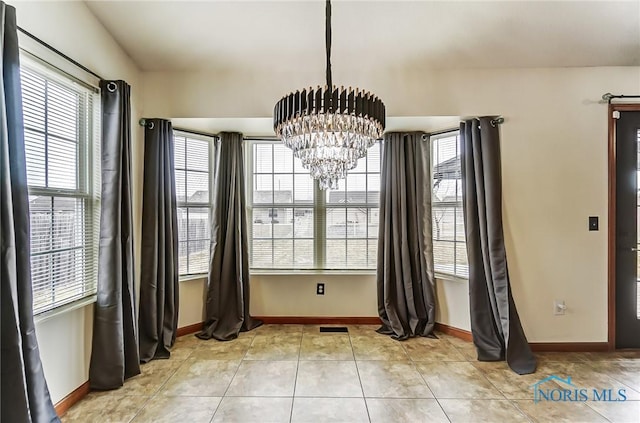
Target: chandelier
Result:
[329, 128]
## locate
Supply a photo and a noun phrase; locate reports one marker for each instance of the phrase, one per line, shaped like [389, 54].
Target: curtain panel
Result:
[227, 305]
[158, 319]
[405, 276]
[114, 352]
[495, 324]
[25, 395]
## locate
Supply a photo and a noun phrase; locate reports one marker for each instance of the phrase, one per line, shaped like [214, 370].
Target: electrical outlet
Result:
[320, 288]
[559, 307]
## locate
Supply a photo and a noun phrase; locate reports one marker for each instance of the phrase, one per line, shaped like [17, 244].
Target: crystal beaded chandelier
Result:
[329, 128]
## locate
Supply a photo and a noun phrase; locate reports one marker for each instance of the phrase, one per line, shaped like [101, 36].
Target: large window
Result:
[62, 153]
[193, 183]
[295, 225]
[449, 247]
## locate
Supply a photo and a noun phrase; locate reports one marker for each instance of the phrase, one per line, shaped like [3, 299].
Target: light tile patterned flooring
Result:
[294, 373]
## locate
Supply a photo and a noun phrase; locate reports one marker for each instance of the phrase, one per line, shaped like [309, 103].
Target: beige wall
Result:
[65, 339]
[554, 156]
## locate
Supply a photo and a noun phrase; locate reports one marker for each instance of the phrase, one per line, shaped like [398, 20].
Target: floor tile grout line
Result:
[364, 398]
[295, 379]
[431, 390]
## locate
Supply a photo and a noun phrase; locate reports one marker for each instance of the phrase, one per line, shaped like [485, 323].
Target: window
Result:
[449, 246]
[295, 225]
[193, 182]
[62, 153]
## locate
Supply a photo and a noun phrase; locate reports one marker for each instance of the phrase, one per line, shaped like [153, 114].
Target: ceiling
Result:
[285, 35]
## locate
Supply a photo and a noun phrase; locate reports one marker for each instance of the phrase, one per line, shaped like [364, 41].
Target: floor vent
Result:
[334, 329]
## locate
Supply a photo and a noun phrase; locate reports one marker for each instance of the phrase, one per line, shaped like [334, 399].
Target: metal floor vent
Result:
[333, 329]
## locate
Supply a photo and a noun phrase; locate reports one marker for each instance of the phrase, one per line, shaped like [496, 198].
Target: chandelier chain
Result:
[328, 43]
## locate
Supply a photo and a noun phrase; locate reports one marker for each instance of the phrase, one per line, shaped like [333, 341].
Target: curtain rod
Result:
[59, 53]
[148, 124]
[608, 97]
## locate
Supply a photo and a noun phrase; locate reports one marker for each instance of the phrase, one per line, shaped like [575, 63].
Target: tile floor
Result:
[294, 373]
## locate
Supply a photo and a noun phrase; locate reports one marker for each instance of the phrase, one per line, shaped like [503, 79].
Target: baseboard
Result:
[535, 346]
[310, 320]
[465, 335]
[187, 330]
[569, 346]
[67, 402]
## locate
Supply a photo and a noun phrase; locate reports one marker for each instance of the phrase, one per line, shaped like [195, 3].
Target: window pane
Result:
[357, 254]
[303, 249]
[183, 223]
[336, 223]
[197, 154]
[62, 111]
[336, 254]
[337, 196]
[460, 232]
[356, 189]
[63, 161]
[373, 187]
[199, 226]
[41, 223]
[443, 256]
[303, 189]
[198, 256]
[444, 223]
[262, 158]
[283, 253]
[361, 167]
[181, 186]
[197, 187]
[261, 254]
[462, 265]
[41, 280]
[372, 253]
[282, 159]
[34, 146]
[303, 223]
[283, 189]
[33, 99]
[262, 223]
[356, 223]
[373, 158]
[179, 152]
[183, 255]
[282, 220]
[263, 189]
[374, 220]
[68, 223]
[298, 168]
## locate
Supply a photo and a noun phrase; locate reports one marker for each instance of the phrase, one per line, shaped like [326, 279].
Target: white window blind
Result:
[449, 246]
[295, 225]
[63, 174]
[193, 184]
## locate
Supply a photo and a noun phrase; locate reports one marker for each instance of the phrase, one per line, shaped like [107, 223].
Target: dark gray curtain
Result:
[495, 325]
[114, 352]
[25, 396]
[406, 293]
[158, 318]
[228, 291]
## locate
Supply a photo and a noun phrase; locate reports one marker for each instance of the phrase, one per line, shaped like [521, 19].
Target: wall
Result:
[554, 166]
[65, 339]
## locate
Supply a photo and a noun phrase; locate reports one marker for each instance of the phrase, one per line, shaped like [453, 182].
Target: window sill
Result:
[44, 316]
[276, 272]
[450, 278]
[187, 278]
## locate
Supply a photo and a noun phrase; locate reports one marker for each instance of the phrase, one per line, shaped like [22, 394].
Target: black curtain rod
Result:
[608, 97]
[59, 53]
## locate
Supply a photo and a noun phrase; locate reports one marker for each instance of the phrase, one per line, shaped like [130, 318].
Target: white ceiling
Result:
[228, 35]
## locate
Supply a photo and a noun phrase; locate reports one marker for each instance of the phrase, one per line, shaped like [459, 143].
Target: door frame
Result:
[611, 257]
